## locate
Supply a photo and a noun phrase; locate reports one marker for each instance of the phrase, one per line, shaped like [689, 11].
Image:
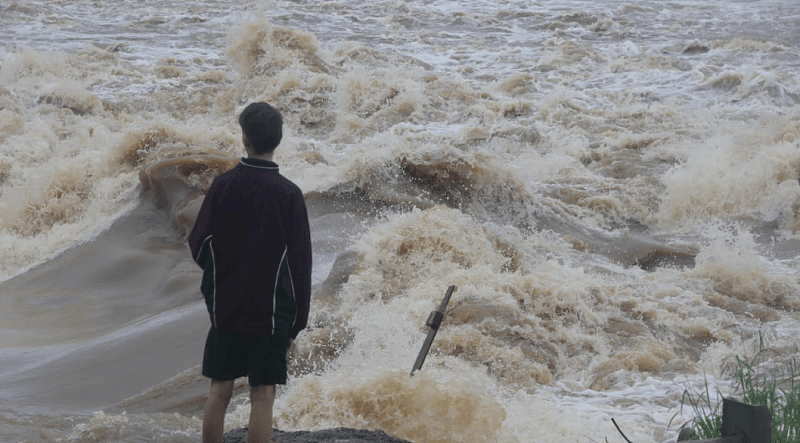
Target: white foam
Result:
[662, 117]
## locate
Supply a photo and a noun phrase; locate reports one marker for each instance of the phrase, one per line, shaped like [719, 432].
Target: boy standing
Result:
[253, 242]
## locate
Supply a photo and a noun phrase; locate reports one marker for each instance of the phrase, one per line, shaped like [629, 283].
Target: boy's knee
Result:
[262, 393]
[221, 390]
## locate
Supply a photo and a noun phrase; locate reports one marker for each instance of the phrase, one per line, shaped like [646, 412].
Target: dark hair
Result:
[263, 126]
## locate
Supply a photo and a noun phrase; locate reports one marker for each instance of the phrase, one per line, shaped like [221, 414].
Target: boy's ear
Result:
[248, 147]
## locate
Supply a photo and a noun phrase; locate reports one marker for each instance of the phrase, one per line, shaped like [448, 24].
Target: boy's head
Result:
[262, 127]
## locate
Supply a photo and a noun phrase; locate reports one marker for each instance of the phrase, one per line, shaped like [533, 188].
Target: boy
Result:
[253, 242]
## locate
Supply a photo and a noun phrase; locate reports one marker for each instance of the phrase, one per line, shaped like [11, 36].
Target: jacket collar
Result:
[258, 163]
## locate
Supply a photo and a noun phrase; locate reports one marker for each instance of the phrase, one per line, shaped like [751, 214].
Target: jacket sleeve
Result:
[199, 238]
[300, 258]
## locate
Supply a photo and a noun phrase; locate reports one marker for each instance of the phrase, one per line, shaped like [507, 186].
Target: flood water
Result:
[613, 187]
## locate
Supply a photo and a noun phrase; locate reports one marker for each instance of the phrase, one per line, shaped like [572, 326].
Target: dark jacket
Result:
[252, 240]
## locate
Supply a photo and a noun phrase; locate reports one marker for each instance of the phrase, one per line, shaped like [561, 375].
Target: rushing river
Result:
[611, 186]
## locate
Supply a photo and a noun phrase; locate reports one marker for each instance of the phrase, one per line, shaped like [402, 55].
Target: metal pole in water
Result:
[433, 322]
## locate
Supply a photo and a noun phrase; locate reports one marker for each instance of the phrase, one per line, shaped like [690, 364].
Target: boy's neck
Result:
[267, 156]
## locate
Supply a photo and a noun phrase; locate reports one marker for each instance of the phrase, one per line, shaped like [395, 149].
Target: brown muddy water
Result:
[612, 187]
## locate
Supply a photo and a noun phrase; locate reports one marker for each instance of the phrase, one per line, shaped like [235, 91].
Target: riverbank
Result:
[338, 435]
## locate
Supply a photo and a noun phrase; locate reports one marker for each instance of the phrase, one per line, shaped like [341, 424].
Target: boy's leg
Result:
[260, 427]
[219, 395]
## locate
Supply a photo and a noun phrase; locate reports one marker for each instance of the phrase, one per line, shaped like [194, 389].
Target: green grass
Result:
[778, 389]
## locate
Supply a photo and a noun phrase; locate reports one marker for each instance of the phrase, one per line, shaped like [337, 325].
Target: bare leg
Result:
[260, 427]
[219, 395]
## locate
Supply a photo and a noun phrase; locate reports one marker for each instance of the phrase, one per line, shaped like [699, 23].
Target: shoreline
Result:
[337, 435]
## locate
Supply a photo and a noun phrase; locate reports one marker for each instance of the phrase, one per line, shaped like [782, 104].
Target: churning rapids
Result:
[611, 186]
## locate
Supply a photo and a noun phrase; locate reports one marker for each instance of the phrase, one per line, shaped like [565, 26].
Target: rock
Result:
[687, 434]
[338, 435]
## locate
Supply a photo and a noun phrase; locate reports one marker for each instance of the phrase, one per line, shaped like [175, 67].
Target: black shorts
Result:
[262, 358]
